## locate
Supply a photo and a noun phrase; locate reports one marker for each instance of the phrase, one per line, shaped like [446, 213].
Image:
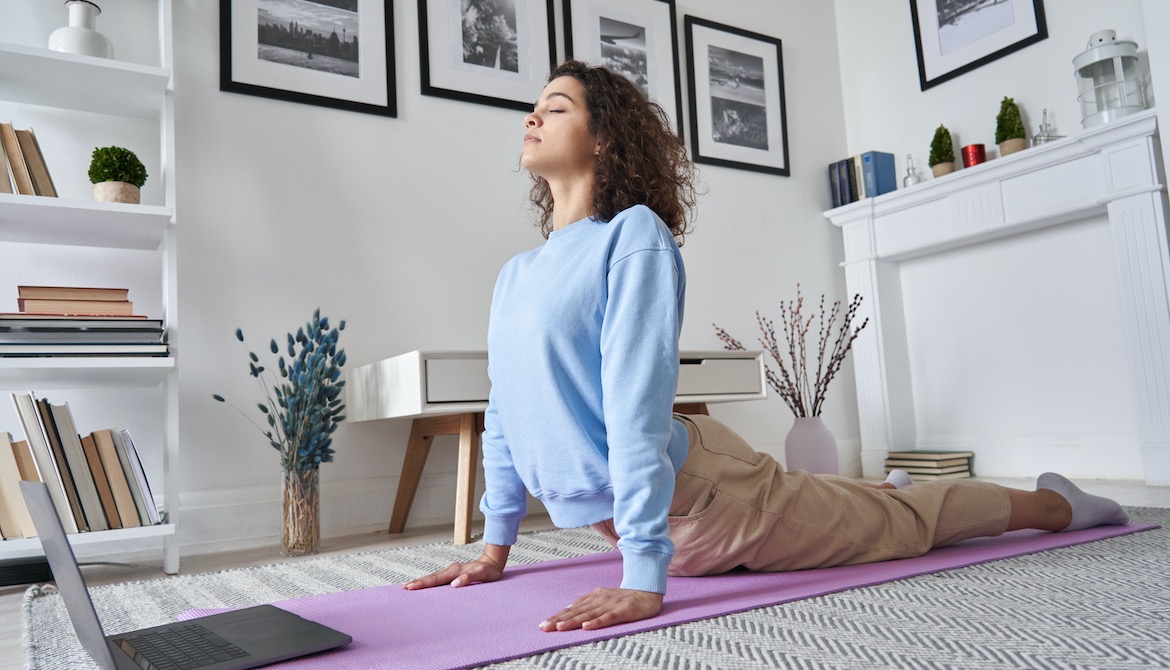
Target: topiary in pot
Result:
[117, 175]
[942, 152]
[1009, 128]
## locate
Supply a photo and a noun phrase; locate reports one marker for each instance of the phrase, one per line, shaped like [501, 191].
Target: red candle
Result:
[973, 154]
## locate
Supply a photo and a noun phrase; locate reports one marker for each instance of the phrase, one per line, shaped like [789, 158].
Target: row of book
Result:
[862, 176]
[22, 165]
[96, 481]
[927, 466]
[78, 321]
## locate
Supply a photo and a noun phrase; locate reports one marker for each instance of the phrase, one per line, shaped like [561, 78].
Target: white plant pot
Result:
[79, 37]
[810, 446]
[116, 191]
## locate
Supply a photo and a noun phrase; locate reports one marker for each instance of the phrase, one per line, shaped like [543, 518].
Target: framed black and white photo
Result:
[334, 53]
[491, 52]
[953, 37]
[736, 99]
[637, 38]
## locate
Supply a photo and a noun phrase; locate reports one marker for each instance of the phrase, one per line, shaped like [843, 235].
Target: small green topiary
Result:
[116, 164]
[942, 149]
[1008, 124]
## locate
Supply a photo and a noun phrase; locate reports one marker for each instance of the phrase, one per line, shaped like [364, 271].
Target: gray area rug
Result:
[1101, 605]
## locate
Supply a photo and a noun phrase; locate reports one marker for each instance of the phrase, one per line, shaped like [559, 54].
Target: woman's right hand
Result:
[482, 569]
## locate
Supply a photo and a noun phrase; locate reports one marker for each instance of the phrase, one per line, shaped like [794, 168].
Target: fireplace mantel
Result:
[1114, 171]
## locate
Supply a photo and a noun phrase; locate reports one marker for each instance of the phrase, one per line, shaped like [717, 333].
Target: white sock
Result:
[899, 478]
[1087, 510]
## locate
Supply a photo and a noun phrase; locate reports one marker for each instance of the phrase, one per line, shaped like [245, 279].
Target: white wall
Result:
[1017, 349]
[400, 225]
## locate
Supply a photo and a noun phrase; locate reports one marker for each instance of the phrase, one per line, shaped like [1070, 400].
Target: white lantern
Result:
[1109, 79]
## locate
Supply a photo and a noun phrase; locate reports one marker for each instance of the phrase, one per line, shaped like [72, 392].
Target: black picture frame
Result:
[736, 101]
[947, 50]
[649, 55]
[511, 85]
[351, 73]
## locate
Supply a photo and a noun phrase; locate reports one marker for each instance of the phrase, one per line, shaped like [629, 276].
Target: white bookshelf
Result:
[58, 85]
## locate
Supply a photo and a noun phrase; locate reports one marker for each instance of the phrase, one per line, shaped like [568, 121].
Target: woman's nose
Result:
[530, 121]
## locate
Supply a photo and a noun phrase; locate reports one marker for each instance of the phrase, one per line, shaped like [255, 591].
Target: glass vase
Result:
[300, 528]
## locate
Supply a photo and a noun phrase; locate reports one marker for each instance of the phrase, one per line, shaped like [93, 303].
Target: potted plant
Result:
[810, 445]
[1009, 128]
[117, 175]
[301, 411]
[942, 152]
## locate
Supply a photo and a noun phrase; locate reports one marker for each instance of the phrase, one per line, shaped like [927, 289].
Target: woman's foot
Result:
[898, 479]
[1087, 510]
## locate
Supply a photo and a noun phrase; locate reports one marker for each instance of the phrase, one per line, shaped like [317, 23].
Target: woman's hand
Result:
[482, 569]
[605, 607]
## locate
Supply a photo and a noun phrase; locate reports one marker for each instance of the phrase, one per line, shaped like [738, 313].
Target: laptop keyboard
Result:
[179, 647]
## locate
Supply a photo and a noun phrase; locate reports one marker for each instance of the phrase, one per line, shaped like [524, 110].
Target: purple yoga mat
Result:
[447, 627]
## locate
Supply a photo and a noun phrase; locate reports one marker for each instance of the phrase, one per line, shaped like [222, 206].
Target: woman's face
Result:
[557, 141]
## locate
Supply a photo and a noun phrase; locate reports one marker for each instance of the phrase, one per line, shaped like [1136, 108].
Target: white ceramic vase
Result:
[810, 446]
[80, 37]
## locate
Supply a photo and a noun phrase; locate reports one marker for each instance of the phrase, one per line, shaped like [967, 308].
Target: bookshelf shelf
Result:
[81, 83]
[21, 547]
[38, 220]
[20, 374]
[61, 92]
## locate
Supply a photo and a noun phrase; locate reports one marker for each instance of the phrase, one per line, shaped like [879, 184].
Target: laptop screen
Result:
[66, 573]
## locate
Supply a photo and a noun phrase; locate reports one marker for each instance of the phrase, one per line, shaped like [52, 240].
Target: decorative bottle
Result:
[80, 37]
[912, 177]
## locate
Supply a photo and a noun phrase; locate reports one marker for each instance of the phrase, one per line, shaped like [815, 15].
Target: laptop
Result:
[245, 638]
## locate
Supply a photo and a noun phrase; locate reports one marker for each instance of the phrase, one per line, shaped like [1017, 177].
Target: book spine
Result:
[878, 167]
[16, 162]
[834, 185]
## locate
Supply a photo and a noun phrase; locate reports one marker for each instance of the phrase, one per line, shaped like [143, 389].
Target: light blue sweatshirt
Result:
[583, 360]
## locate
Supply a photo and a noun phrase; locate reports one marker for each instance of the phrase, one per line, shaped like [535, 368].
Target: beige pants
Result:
[734, 507]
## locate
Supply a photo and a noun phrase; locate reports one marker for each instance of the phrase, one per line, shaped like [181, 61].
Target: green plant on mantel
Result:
[942, 149]
[1008, 124]
[116, 164]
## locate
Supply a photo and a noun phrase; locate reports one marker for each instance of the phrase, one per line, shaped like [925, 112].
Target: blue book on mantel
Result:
[878, 168]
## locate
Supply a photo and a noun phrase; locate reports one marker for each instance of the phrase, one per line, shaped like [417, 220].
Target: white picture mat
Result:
[937, 64]
[652, 15]
[368, 87]
[445, 54]
[704, 37]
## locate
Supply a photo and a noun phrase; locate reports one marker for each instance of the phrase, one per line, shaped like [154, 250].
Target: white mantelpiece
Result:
[1113, 173]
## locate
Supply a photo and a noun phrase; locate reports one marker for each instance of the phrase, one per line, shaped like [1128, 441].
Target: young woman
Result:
[583, 359]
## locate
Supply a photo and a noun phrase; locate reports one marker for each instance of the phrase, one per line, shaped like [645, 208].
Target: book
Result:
[20, 175]
[26, 411]
[11, 499]
[28, 336]
[966, 474]
[930, 455]
[38, 349]
[13, 319]
[72, 293]
[62, 462]
[859, 176]
[35, 160]
[5, 180]
[878, 173]
[834, 184]
[912, 470]
[101, 481]
[119, 486]
[143, 498]
[913, 463]
[24, 461]
[83, 479]
[75, 307]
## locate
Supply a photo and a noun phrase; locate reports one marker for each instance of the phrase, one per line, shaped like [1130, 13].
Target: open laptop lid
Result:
[67, 574]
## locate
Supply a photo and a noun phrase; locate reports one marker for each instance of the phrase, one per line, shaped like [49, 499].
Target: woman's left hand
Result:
[605, 607]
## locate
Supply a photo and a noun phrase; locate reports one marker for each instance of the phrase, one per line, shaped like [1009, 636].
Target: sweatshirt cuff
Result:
[645, 571]
[501, 530]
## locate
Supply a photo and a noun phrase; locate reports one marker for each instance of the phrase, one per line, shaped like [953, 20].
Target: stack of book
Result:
[21, 157]
[96, 481]
[78, 321]
[931, 465]
[862, 176]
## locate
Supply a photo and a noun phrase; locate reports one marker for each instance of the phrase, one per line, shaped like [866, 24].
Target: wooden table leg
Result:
[470, 426]
[418, 447]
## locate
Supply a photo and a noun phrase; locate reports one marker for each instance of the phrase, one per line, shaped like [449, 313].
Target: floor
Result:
[11, 650]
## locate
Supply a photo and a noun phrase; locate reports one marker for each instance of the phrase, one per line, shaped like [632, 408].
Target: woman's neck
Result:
[572, 201]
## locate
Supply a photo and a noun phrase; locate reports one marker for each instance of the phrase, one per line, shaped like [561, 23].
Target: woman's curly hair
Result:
[643, 160]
